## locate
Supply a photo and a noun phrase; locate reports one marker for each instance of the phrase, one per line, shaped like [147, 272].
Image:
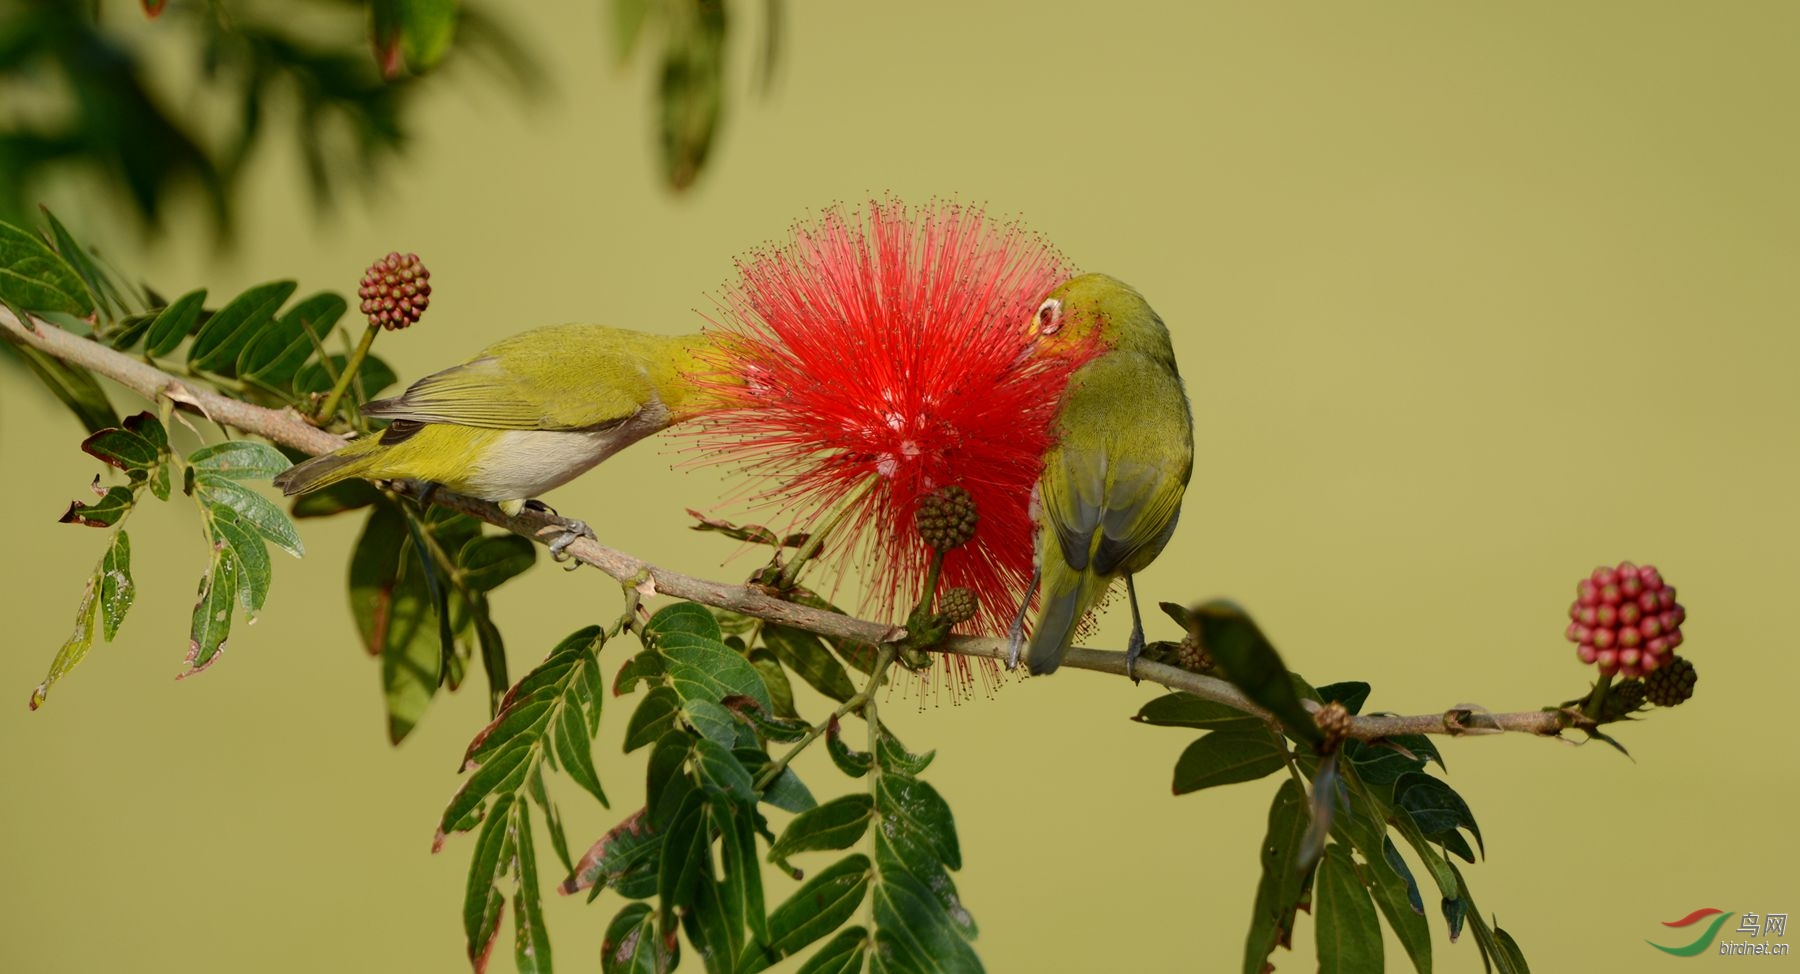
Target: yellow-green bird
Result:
[1111, 489]
[529, 413]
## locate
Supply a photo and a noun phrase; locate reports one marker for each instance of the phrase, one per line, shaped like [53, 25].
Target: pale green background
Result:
[1468, 300]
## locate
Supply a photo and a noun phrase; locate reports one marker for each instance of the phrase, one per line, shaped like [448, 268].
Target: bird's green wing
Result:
[568, 377]
[1113, 484]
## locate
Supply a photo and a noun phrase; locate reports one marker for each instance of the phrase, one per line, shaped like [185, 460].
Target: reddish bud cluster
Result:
[395, 291]
[1625, 619]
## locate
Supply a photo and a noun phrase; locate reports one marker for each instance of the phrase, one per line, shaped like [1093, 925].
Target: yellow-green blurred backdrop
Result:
[1469, 299]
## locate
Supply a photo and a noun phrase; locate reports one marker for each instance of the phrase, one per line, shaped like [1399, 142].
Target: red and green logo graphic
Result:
[1701, 943]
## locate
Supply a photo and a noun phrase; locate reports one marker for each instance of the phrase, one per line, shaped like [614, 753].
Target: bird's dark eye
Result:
[1049, 316]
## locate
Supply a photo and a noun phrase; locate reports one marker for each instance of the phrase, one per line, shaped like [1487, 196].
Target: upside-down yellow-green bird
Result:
[1111, 489]
[528, 414]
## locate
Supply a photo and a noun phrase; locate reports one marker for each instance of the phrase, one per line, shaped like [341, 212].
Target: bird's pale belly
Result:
[525, 463]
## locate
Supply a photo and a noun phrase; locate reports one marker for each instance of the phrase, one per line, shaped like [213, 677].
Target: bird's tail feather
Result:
[1067, 597]
[323, 471]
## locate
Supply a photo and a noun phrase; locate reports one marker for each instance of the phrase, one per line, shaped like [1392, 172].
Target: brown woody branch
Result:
[287, 428]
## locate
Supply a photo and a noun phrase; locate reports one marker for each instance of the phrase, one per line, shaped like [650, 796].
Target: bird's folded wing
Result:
[482, 393]
[1142, 501]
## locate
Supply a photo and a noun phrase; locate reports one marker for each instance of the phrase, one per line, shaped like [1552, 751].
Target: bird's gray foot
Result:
[1133, 649]
[572, 530]
[1015, 634]
[1135, 646]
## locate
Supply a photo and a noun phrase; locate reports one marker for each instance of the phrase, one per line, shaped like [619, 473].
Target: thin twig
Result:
[288, 428]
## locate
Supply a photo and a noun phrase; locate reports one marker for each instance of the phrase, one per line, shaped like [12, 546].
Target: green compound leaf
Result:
[711, 721]
[1283, 884]
[396, 616]
[632, 945]
[807, 656]
[1352, 694]
[317, 377]
[349, 495]
[1382, 762]
[211, 625]
[140, 448]
[218, 488]
[222, 339]
[103, 513]
[848, 760]
[1251, 662]
[837, 824]
[920, 922]
[679, 617]
[174, 323]
[531, 939]
[842, 954]
[275, 354]
[1498, 948]
[124, 449]
[1349, 935]
[491, 560]
[117, 590]
[238, 460]
[1397, 895]
[1227, 757]
[653, 718]
[34, 278]
[816, 908]
[94, 279]
[75, 386]
[226, 530]
[483, 900]
[74, 649]
[774, 677]
[623, 859]
[703, 669]
[1436, 808]
[720, 774]
[692, 91]
[1186, 710]
[426, 30]
[542, 720]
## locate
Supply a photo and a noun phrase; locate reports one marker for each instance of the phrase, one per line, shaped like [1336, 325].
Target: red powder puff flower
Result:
[887, 356]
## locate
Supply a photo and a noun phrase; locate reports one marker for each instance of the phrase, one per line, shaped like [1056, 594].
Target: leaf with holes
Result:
[227, 530]
[218, 487]
[211, 625]
[117, 590]
[74, 649]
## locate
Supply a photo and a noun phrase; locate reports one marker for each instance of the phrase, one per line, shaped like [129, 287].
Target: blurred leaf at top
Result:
[83, 101]
[340, 76]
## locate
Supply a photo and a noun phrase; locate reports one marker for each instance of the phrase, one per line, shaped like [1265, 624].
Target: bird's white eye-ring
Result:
[1049, 317]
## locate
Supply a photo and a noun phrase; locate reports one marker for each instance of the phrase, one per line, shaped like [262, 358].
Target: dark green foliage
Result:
[1327, 848]
[546, 721]
[419, 586]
